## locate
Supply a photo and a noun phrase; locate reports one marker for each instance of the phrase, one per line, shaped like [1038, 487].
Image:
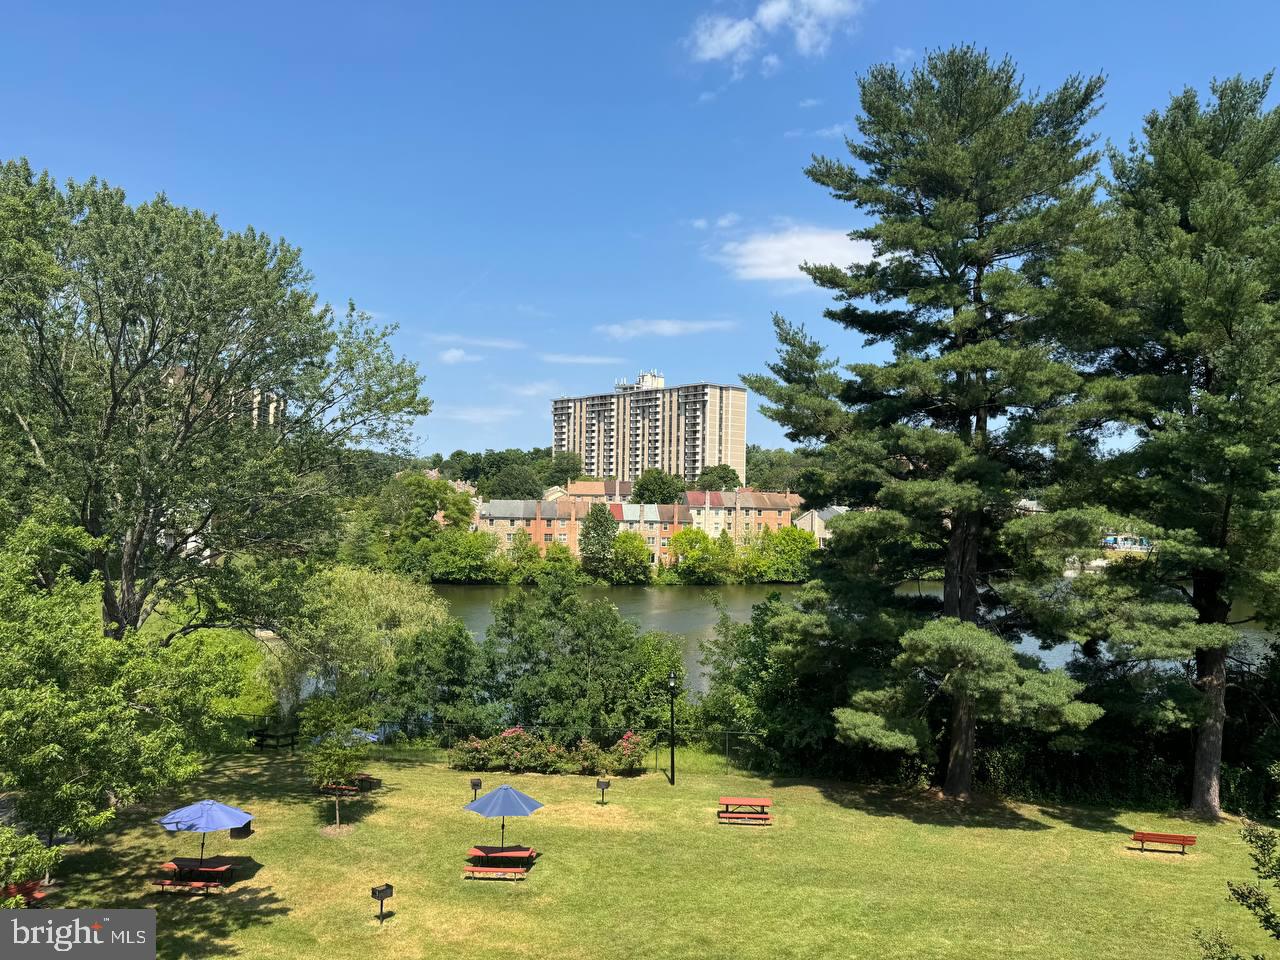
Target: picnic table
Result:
[190, 873]
[499, 863]
[502, 853]
[367, 781]
[747, 810]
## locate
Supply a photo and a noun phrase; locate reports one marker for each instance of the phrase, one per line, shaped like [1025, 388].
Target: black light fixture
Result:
[382, 894]
[602, 786]
[673, 685]
[475, 787]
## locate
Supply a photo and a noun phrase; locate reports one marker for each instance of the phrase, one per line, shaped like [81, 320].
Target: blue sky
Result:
[546, 196]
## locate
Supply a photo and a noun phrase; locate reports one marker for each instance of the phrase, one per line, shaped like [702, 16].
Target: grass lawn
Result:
[844, 873]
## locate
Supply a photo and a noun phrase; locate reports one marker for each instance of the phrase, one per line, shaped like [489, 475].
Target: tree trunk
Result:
[964, 729]
[1211, 678]
[1209, 596]
[960, 574]
[337, 810]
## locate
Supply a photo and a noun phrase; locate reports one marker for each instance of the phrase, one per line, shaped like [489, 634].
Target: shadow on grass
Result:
[187, 924]
[922, 806]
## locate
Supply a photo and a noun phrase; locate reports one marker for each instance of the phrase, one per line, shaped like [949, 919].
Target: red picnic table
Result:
[753, 810]
[197, 875]
[499, 863]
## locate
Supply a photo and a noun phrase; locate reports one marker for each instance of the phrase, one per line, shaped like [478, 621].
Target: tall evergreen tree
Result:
[595, 544]
[975, 187]
[1173, 307]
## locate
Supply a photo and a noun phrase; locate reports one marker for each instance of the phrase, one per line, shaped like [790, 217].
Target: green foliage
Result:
[565, 661]
[596, 541]
[520, 751]
[565, 467]
[91, 722]
[655, 486]
[700, 560]
[777, 469]
[350, 625]
[1171, 309]
[437, 677]
[630, 561]
[156, 422]
[22, 858]
[963, 663]
[515, 481]
[974, 187]
[718, 477]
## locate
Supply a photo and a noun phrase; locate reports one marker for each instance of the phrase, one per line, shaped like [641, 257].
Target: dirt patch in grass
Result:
[340, 830]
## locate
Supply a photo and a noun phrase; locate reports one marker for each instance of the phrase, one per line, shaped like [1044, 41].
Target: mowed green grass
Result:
[844, 872]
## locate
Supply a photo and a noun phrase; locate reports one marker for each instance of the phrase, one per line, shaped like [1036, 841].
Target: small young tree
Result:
[595, 544]
[335, 752]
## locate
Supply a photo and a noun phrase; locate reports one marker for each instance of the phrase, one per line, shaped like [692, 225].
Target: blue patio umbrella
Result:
[504, 802]
[203, 817]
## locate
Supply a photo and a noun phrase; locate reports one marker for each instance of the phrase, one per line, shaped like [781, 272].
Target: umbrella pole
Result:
[504, 834]
[202, 836]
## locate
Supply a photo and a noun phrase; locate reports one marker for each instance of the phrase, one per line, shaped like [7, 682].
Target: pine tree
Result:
[1173, 311]
[975, 187]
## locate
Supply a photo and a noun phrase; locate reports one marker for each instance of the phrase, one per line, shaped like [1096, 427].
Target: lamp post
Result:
[671, 689]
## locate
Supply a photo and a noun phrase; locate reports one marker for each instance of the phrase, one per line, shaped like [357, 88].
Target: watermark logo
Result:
[98, 934]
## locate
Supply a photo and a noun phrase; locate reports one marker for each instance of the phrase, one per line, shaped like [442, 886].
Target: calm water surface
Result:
[681, 610]
[686, 611]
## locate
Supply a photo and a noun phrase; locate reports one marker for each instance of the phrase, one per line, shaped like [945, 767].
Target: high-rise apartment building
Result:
[645, 425]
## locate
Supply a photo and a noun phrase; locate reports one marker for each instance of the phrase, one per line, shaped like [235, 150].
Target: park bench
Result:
[1168, 839]
[471, 872]
[264, 739]
[746, 810]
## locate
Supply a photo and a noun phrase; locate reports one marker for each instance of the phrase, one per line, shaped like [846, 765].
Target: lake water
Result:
[686, 611]
[681, 610]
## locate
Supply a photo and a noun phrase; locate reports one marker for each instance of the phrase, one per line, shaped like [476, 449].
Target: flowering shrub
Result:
[629, 754]
[520, 751]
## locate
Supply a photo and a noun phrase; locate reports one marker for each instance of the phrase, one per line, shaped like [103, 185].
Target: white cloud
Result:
[476, 415]
[903, 54]
[579, 358]
[493, 343]
[727, 220]
[529, 310]
[777, 255]
[661, 328]
[537, 388]
[808, 103]
[736, 40]
[722, 38]
[698, 223]
[835, 130]
[458, 355]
